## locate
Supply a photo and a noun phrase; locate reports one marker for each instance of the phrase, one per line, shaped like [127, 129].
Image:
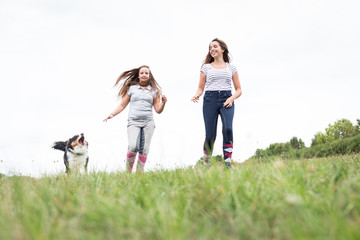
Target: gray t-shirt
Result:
[141, 103]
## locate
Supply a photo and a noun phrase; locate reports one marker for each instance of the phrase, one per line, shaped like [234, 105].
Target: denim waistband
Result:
[220, 91]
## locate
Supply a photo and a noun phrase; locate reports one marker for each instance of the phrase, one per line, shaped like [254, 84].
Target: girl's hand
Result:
[109, 117]
[159, 103]
[229, 102]
[195, 99]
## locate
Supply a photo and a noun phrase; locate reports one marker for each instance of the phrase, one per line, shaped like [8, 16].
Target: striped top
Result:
[218, 79]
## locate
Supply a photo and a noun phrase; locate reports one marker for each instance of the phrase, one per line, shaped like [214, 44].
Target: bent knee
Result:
[132, 148]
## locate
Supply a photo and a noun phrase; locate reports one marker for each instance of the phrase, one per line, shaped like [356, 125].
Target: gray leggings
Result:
[140, 133]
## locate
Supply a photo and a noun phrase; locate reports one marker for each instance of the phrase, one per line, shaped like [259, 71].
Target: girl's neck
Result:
[219, 60]
[143, 85]
[218, 63]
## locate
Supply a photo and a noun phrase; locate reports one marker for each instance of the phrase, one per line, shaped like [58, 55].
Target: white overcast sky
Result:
[298, 63]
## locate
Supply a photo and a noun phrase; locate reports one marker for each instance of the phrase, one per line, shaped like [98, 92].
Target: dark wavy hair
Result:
[226, 54]
[131, 77]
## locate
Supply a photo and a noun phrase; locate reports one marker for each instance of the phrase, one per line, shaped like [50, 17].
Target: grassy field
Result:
[304, 199]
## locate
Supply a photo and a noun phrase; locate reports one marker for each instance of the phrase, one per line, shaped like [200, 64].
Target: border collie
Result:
[75, 150]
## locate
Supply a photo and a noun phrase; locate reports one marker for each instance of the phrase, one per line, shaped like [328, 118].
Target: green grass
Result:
[303, 199]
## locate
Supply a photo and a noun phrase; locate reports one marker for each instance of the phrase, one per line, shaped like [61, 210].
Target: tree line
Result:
[341, 137]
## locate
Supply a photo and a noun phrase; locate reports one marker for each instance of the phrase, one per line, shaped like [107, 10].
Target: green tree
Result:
[278, 148]
[259, 153]
[340, 129]
[297, 143]
[319, 138]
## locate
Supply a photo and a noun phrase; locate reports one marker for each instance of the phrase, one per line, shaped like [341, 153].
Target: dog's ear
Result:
[69, 142]
[59, 146]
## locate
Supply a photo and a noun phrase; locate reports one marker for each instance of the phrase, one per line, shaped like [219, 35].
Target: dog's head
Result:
[76, 144]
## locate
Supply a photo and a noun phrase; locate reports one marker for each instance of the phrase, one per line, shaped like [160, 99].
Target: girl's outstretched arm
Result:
[124, 102]
[200, 89]
[159, 105]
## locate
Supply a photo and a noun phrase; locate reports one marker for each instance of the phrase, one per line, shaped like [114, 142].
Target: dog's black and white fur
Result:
[76, 156]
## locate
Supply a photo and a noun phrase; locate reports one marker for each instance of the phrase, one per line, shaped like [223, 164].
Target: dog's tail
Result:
[59, 146]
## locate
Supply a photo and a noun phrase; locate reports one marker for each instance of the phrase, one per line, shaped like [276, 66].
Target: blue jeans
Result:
[213, 106]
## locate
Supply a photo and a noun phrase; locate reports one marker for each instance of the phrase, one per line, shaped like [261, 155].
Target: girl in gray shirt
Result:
[141, 90]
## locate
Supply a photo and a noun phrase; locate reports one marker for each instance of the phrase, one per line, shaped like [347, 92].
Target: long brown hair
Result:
[226, 54]
[131, 77]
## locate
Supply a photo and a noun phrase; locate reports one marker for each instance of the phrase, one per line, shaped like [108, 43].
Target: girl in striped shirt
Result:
[217, 76]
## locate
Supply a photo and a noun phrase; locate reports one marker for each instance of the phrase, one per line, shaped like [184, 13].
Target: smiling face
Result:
[215, 50]
[144, 75]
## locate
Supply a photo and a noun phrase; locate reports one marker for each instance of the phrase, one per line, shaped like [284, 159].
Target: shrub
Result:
[337, 147]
